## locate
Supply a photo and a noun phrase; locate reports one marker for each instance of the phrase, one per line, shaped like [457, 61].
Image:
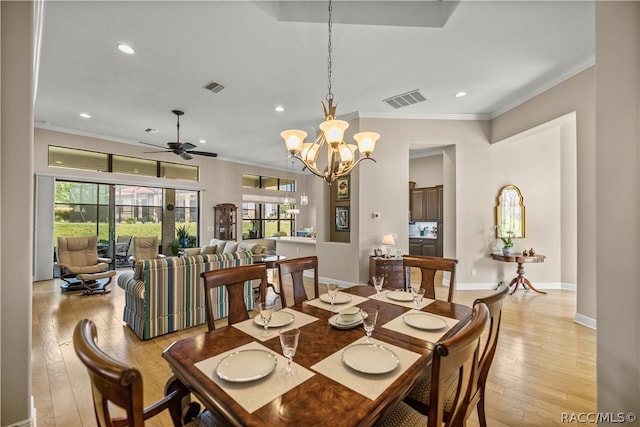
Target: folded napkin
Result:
[382, 296]
[398, 325]
[355, 300]
[255, 394]
[250, 327]
[369, 385]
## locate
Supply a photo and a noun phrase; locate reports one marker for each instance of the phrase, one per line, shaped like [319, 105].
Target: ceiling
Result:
[267, 54]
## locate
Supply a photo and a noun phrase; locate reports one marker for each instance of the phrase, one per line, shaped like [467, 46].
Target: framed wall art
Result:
[343, 188]
[342, 218]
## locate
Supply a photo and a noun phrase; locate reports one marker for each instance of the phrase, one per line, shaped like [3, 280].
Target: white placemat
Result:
[251, 328]
[382, 296]
[398, 325]
[369, 385]
[355, 300]
[255, 394]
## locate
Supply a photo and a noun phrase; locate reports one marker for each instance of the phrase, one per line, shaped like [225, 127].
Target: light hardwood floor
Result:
[545, 364]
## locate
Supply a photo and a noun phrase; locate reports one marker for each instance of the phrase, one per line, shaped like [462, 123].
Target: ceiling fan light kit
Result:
[341, 157]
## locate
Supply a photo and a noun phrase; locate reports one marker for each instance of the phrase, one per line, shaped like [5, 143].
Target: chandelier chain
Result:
[329, 49]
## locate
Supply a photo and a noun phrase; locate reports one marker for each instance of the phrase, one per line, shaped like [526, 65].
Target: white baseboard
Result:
[585, 321]
[29, 422]
[481, 286]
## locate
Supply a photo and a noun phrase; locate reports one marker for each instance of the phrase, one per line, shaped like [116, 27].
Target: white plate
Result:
[424, 321]
[370, 358]
[400, 296]
[246, 365]
[278, 319]
[340, 298]
[338, 323]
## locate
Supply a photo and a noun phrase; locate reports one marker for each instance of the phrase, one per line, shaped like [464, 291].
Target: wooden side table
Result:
[391, 268]
[520, 279]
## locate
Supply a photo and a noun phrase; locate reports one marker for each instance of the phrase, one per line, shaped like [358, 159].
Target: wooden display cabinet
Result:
[225, 221]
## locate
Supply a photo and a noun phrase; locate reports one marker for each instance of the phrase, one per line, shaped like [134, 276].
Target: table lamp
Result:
[388, 241]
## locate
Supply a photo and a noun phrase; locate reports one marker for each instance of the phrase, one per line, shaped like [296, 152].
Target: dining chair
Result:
[294, 269]
[428, 266]
[454, 357]
[488, 348]
[419, 394]
[233, 279]
[116, 384]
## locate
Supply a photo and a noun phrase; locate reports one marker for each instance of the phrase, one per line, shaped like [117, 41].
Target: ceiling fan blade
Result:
[185, 155]
[203, 153]
[159, 151]
[151, 145]
[187, 146]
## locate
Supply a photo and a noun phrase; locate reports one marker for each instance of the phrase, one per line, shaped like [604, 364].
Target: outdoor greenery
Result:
[68, 229]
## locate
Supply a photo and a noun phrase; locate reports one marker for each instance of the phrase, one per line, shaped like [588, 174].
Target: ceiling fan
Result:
[182, 149]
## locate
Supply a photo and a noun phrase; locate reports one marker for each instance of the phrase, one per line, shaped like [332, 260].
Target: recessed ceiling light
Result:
[125, 48]
[461, 94]
[202, 141]
[279, 108]
[58, 162]
[85, 115]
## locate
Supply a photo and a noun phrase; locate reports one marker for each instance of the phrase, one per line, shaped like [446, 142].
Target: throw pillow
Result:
[230, 247]
[208, 250]
[247, 247]
[219, 243]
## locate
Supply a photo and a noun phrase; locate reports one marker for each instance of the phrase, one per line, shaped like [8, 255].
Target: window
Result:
[82, 159]
[268, 183]
[261, 220]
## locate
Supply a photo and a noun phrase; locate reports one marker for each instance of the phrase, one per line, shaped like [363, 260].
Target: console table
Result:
[521, 260]
[391, 268]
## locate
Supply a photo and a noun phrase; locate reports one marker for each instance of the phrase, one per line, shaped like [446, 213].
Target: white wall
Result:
[426, 171]
[16, 203]
[618, 204]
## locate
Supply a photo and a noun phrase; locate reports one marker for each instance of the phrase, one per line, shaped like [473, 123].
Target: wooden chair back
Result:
[494, 304]
[294, 268]
[457, 354]
[428, 266]
[118, 384]
[233, 279]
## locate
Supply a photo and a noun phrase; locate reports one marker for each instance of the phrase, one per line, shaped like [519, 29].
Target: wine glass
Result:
[266, 310]
[332, 290]
[417, 294]
[289, 344]
[370, 316]
[377, 283]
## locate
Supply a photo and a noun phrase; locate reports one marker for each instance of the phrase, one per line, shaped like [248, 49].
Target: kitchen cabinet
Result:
[427, 204]
[423, 247]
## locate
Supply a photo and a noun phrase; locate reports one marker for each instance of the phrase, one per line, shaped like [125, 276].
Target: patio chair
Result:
[122, 250]
[80, 267]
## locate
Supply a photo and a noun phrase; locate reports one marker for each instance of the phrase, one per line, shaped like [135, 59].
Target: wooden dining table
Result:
[319, 400]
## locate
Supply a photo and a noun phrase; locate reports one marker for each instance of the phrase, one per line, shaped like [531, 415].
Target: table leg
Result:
[520, 279]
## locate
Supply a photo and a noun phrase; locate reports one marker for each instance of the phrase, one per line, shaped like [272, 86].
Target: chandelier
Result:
[341, 156]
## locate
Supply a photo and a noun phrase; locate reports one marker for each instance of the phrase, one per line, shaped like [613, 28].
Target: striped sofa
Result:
[167, 295]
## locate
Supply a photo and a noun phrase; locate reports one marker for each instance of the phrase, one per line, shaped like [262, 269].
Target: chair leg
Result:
[481, 414]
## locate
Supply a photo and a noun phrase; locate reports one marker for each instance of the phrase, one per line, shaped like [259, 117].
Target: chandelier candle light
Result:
[340, 155]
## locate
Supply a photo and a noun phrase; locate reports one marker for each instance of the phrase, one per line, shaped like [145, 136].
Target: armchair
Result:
[80, 267]
[145, 248]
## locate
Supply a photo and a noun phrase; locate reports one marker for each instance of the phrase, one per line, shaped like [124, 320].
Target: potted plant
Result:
[175, 247]
[508, 243]
[182, 234]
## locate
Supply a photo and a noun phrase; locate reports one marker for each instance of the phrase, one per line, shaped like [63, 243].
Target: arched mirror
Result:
[510, 212]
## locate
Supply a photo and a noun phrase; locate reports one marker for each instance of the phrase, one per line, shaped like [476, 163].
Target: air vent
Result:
[214, 87]
[150, 130]
[409, 98]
